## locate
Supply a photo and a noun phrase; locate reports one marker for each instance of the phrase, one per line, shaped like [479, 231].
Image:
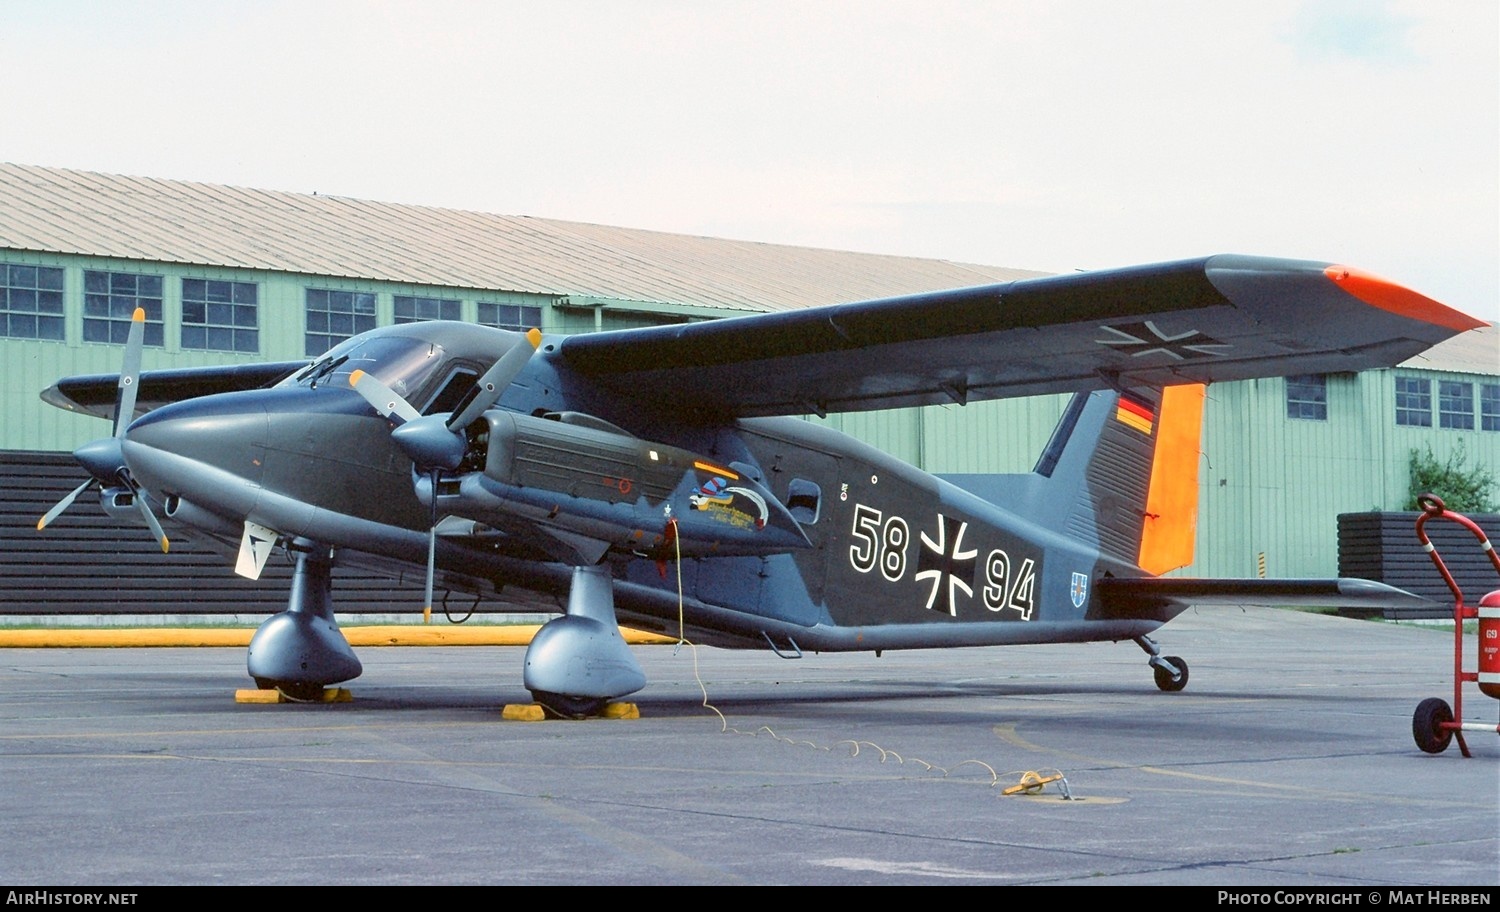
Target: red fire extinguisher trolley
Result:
[1434, 723]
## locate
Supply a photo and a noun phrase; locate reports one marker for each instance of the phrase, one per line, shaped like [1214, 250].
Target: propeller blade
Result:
[487, 391]
[102, 457]
[130, 371]
[62, 505]
[161, 537]
[385, 400]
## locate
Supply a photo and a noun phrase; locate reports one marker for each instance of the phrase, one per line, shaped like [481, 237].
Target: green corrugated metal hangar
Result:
[233, 275]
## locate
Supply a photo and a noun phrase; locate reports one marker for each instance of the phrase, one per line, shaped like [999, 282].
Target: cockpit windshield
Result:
[404, 364]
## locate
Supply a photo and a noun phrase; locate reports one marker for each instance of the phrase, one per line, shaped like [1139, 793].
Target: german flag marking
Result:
[1135, 414]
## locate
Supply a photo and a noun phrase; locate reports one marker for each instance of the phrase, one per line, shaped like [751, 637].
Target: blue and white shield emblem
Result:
[1079, 589]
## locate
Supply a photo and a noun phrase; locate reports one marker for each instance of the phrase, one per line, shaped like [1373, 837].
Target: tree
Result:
[1464, 489]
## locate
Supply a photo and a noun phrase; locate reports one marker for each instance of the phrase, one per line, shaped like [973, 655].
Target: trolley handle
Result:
[1433, 508]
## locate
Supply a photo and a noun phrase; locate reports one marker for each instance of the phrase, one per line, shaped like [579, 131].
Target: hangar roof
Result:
[1474, 352]
[80, 212]
[58, 210]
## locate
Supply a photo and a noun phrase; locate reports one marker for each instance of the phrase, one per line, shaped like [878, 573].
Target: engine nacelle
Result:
[582, 477]
[582, 457]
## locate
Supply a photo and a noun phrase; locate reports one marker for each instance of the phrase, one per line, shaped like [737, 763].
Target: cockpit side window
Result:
[452, 391]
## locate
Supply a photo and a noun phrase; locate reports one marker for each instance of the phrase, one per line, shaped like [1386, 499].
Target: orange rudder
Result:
[1167, 539]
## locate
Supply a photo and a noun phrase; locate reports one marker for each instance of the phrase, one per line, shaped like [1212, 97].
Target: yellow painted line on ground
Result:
[391, 635]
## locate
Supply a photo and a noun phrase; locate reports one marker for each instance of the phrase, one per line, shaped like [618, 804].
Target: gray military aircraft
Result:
[656, 477]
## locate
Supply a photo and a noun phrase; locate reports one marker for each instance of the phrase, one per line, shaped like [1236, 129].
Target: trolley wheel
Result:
[1427, 725]
[1164, 678]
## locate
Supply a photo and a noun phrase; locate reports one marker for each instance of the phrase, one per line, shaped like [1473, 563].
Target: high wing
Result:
[1194, 321]
[95, 394]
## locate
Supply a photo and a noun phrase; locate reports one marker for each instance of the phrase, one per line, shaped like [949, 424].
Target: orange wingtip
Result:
[1397, 299]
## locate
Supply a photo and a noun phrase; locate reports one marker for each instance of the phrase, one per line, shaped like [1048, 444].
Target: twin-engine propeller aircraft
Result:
[650, 475]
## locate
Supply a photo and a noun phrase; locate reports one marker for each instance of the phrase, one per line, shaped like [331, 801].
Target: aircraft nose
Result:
[102, 458]
[225, 432]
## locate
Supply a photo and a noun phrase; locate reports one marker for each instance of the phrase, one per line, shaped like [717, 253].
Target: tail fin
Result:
[1120, 472]
[1135, 490]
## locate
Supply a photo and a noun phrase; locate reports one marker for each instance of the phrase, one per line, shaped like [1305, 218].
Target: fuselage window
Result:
[802, 500]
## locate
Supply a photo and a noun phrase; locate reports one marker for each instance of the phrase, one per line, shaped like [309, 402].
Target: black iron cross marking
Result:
[943, 560]
[1182, 346]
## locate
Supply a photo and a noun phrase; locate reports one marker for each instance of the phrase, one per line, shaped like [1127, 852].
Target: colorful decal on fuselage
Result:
[947, 564]
[1079, 590]
[717, 498]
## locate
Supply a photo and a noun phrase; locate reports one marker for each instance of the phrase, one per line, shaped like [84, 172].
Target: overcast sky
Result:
[1054, 136]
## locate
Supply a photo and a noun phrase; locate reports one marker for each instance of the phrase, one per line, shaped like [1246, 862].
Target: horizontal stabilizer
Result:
[1148, 595]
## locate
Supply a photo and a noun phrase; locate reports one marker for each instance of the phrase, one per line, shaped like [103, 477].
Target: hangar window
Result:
[412, 310]
[1456, 405]
[109, 300]
[509, 316]
[333, 316]
[1307, 397]
[31, 302]
[1413, 402]
[1489, 406]
[220, 316]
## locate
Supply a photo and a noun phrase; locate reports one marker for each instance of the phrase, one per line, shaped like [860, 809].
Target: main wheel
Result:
[569, 707]
[299, 691]
[1164, 678]
[1426, 725]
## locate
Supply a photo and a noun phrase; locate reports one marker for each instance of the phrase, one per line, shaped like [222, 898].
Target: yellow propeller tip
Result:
[355, 377]
[427, 615]
[164, 544]
[534, 336]
[139, 316]
[41, 524]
